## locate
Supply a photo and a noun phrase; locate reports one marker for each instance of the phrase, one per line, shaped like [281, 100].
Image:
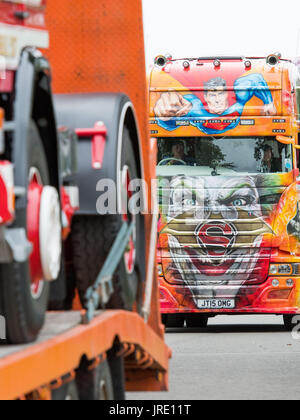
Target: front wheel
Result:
[23, 292]
[24, 310]
[195, 320]
[174, 320]
[290, 321]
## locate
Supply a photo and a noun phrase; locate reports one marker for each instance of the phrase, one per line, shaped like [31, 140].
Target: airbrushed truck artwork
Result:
[229, 229]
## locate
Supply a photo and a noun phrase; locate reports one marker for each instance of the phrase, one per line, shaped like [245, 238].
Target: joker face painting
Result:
[215, 229]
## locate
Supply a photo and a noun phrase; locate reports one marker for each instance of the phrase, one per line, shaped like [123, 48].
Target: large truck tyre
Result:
[67, 392]
[95, 384]
[117, 369]
[291, 322]
[173, 320]
[22, 304]
[93, 234]
[196, 320]
[93, 237]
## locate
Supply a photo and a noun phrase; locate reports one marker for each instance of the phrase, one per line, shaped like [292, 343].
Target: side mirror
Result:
[285, 140]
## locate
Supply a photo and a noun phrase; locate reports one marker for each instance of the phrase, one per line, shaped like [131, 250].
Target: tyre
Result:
[290, 321]
[67, 392]
[117, 369]
[96, 384]
[164, 319]
[195, 320]
[92, 238]
[23, 303]
[175, 321]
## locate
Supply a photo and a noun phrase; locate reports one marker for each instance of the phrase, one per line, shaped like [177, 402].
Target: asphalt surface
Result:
[237, 357]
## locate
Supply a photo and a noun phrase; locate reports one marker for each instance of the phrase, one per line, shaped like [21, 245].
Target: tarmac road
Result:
[237, 357]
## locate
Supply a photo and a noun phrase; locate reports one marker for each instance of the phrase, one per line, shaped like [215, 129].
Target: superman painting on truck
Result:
[172, 106]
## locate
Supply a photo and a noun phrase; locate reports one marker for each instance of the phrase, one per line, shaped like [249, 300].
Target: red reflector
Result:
[167, 301]
[279, 294]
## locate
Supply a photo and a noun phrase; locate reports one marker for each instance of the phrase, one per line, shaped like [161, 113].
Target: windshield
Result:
[223, 156]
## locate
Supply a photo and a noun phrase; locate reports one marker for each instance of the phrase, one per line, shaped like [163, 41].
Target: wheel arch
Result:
[44, 118]
[33, 101]
[131, 123]
[116, 112]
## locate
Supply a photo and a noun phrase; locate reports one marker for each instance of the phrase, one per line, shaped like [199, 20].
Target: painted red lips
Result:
[216, 240]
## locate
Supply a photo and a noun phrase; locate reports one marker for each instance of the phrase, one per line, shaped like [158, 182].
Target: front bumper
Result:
[260, 299]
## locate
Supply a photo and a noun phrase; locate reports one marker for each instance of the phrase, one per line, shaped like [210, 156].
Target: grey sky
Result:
[188, 28]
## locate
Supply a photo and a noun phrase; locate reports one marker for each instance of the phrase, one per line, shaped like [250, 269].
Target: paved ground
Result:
[240, 357]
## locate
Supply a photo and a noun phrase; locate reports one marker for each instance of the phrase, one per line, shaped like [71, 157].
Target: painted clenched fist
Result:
[170, 105]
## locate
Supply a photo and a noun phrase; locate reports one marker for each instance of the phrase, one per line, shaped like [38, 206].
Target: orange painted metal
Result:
[42, 363]
[98, 46]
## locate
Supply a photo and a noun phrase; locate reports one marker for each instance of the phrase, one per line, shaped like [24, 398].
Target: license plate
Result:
[216, 303]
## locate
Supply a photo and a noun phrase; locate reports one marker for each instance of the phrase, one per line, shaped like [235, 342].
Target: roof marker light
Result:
[186, 64]
[273, 59]
[160, 61]
[217, 63]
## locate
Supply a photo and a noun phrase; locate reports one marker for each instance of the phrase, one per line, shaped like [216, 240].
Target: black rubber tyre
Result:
[24, 314]
[92, 238]
[117, 369]
[175, 321]
[196, 320]
[289, 322]
[67, 392]
[95, 385]
[164, 319]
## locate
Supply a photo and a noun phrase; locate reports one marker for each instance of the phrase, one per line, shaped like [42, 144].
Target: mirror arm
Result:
[285, 140]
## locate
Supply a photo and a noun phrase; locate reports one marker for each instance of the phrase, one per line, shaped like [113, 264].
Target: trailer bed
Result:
[64, 341]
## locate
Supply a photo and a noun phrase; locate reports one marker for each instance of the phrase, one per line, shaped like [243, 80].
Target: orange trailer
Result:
[88, 113]
[47, 370]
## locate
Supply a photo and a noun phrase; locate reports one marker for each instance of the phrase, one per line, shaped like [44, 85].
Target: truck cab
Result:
[227, 136]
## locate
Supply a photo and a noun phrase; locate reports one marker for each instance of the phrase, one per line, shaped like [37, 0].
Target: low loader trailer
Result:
[79, 301]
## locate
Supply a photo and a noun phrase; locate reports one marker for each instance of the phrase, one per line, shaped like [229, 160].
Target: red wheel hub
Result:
[130, 254]
[35, 190]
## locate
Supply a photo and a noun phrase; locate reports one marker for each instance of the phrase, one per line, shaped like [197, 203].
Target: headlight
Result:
[290, 282]
[281, 269]
[160, 271]
[273, 269]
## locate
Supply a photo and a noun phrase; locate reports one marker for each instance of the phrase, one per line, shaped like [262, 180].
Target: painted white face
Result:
[213, 196]
[208, 218]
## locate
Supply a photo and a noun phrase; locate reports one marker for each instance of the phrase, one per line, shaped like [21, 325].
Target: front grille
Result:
[248, 267]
